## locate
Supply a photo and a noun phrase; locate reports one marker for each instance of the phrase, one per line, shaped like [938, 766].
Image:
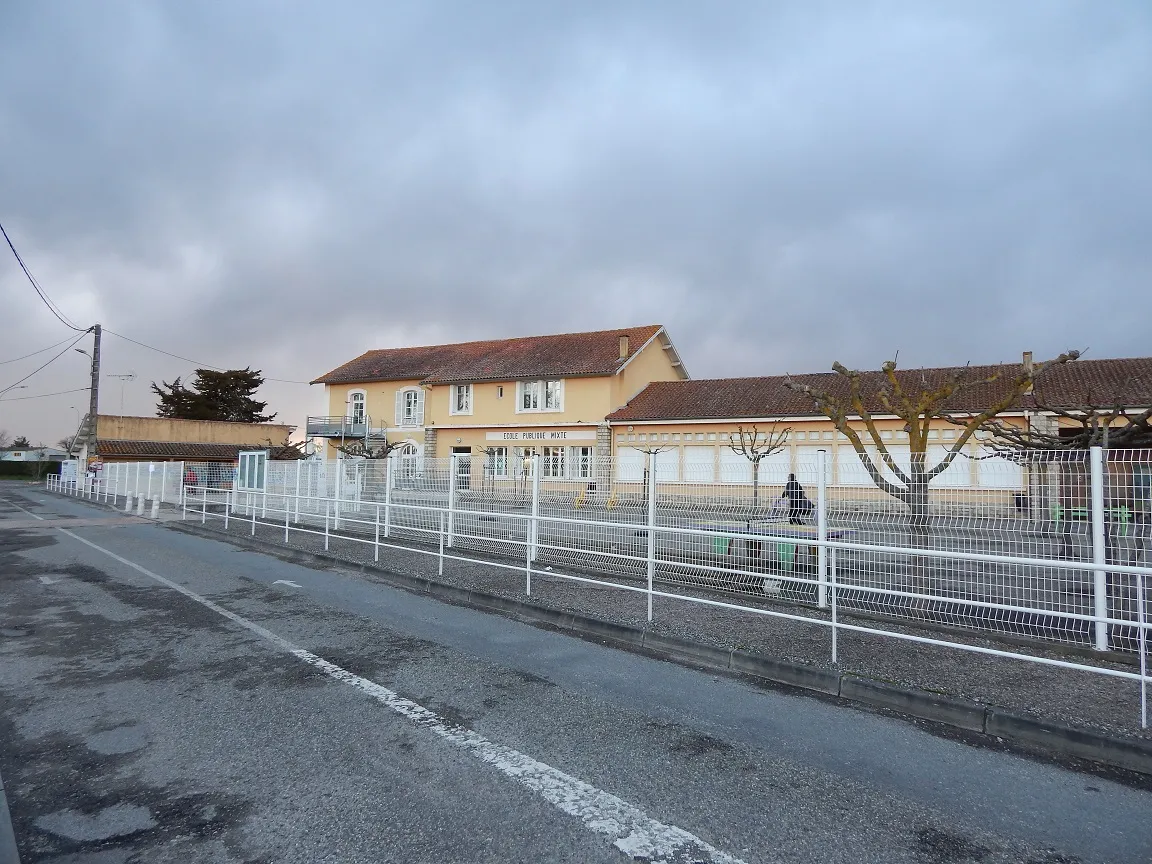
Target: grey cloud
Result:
[286, 185]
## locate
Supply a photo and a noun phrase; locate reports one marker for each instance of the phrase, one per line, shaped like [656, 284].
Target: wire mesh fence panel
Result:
[748, 524]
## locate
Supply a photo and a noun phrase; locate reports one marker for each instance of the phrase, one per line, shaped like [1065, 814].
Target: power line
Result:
[190, 360]
[43, 395]
[53, 360]
[52, 307]
[34, 353]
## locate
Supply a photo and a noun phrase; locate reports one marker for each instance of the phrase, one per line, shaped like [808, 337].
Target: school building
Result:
[577, 398]
[504, 399]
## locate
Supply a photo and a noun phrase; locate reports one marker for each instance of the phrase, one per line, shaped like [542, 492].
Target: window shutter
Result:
[419, 407]
[399, 407]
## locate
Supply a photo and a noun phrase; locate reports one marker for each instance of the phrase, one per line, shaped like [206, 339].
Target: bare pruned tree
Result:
[1090, 421]
[918, 401]
[286, 451]
[756, 446]
[650, 462]
[361, 450]
[5, 438]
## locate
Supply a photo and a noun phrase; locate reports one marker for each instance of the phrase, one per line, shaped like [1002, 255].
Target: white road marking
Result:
[633, 831]
[285, 582]
[18, 507]
[48, 581]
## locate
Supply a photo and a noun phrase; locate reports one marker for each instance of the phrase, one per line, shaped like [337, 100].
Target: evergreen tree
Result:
[214, 396]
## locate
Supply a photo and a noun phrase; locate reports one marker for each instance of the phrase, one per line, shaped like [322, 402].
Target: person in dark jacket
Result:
[798, 504]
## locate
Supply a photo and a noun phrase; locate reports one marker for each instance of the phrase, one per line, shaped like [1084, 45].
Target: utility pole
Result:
[94, 396]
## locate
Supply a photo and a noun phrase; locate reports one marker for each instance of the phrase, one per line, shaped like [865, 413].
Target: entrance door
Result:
[463, 466]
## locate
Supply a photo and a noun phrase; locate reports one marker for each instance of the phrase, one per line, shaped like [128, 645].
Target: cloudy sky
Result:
[783, 184]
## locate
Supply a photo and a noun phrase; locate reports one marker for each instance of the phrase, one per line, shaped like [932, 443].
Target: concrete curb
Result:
[8, 853]
[973, 717]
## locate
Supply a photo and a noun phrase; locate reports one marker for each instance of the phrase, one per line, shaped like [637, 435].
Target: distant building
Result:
[33, 454]
[165, 439]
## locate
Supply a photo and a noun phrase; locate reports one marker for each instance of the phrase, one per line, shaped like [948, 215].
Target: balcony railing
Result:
[339, 427]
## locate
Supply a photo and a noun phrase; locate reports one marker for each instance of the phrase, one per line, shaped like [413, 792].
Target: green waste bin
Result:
[786, 555]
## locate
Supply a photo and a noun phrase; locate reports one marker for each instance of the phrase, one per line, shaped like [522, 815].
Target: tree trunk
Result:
[755, 484]
[919, 530]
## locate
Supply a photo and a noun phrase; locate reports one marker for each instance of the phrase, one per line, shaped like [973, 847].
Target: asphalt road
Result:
[170, 698]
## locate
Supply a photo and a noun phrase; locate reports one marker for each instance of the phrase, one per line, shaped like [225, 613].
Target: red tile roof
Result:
[116, 449]
[1105, 383]
[562, 355]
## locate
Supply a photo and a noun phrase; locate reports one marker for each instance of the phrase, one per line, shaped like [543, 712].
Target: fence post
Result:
[297, 518]
[440, 566]
[452, 497]
[252, 512]
[183, 501]
[651, 529]
[287, 516]
[327, 511]
[229, 495]
[1142, 638]
[163, 480]
[203, 504]
[136, 484]
[388, 481]
[822, 529]
[1099, 551]
[832, 579]
[338, 487]
[535, 524]
[376, 543]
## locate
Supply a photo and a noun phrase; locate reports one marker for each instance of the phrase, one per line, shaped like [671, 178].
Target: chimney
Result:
[624, 352]
[1028, 371]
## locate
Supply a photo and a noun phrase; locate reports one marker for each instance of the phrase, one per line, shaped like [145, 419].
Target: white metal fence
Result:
[1054, 548]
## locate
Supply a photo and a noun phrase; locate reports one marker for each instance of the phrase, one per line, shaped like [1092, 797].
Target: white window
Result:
[667, 463]
[957, 474]
[580, 463]
[498, 462]
[734, 468]
[996, 472]
[461, 399]
[409, 461]
[410, 407]
[540, 396]
[356, 407]
[700, 464]
[553, 459]
[524, 460]
[251, 473]
[808, 467]
[630, 465]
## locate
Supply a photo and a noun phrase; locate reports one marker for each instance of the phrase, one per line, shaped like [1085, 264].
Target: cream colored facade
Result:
[700, 451]
[168, 429]
[481, 417]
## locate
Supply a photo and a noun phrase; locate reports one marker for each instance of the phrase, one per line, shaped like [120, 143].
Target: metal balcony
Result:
[339, 427]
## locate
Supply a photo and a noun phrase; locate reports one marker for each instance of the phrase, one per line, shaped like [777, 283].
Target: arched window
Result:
[409, 460]
[357, 410]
